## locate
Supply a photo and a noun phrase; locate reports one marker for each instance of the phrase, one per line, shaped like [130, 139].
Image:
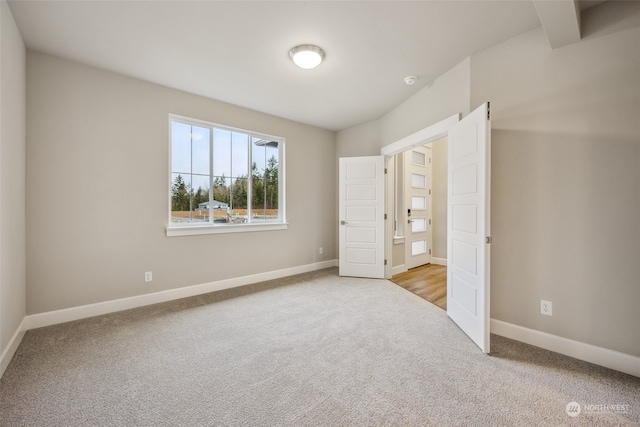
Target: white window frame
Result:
[199, 228]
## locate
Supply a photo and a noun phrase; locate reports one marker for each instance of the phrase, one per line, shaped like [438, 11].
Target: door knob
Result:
[344, 222]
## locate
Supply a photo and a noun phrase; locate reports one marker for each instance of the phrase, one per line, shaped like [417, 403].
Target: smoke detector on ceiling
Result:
[410, 80]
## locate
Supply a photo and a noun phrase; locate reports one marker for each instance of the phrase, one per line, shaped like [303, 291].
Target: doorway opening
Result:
[420, 221]
[468, 216]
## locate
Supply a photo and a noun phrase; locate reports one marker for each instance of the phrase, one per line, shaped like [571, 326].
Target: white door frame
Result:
[424, 136]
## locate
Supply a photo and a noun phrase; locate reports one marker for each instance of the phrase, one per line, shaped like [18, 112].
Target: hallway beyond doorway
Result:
[428, 282]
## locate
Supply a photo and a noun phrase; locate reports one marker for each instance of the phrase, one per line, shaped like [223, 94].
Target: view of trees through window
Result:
[212, 182]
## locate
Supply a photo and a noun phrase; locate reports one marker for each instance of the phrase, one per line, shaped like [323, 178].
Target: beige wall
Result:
[12, 178]
[361, 140]
[566, 179]
[97, 188]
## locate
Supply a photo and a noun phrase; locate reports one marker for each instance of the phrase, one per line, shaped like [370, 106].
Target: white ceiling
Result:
[237, 51]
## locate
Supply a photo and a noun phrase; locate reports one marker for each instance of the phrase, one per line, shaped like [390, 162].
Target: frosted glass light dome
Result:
[306, 56]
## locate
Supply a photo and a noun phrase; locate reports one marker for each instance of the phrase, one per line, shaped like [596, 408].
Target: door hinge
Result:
[488, 111]
[429, 191]
[489, 239]
[385, 171]
[385, 216]
[429, 251]
[429, 159]
[429, 221]
[385, 262]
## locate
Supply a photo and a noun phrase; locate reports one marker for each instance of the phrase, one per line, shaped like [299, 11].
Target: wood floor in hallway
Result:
[428, 281]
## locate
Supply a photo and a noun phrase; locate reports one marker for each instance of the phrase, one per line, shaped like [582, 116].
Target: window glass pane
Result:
[257, 201]
[239, 155]
[258, 151]
[200, 150]
[221, 199]
[418, 158]
[257, 179]
[418, 225]
[418, 247]
[180, 198]
[271, 181]
[180, 148]
[221, 153]
[238, 209]
[222, 190]
[418, 202]
[200, 198]
[418, 181]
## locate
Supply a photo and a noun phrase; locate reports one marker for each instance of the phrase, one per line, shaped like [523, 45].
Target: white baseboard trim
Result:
[398, 269]
[598, 355]
[75, 313]
[589, 353]
[12, 346]
[438, 261]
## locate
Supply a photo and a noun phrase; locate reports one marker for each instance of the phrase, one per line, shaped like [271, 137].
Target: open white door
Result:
[468, 223]
[361, 210]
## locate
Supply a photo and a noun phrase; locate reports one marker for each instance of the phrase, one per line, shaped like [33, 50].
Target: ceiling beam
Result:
[560, 20]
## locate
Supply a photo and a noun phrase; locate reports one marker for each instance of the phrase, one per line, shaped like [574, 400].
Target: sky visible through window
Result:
[230, 152]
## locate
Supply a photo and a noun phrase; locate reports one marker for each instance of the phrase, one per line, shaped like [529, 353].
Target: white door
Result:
[469, 179]
[417, 178]
[361, 210]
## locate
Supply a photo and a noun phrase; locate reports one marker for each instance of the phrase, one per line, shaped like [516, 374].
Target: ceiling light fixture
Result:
[306, 56]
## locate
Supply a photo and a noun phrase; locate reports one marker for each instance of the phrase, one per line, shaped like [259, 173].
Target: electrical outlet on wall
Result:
[148, 276]
[320, 251]
[546, 307]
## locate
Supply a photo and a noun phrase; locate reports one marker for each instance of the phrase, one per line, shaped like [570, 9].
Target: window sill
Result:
[196, 230]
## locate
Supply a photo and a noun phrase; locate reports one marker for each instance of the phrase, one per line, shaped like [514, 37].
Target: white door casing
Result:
[417, 178]
[361, 216]
[468, 224]
[421, 137]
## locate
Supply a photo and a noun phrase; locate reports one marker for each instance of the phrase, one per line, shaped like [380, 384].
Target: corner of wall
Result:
[12, 186]
[7, 354]
[360, 140]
